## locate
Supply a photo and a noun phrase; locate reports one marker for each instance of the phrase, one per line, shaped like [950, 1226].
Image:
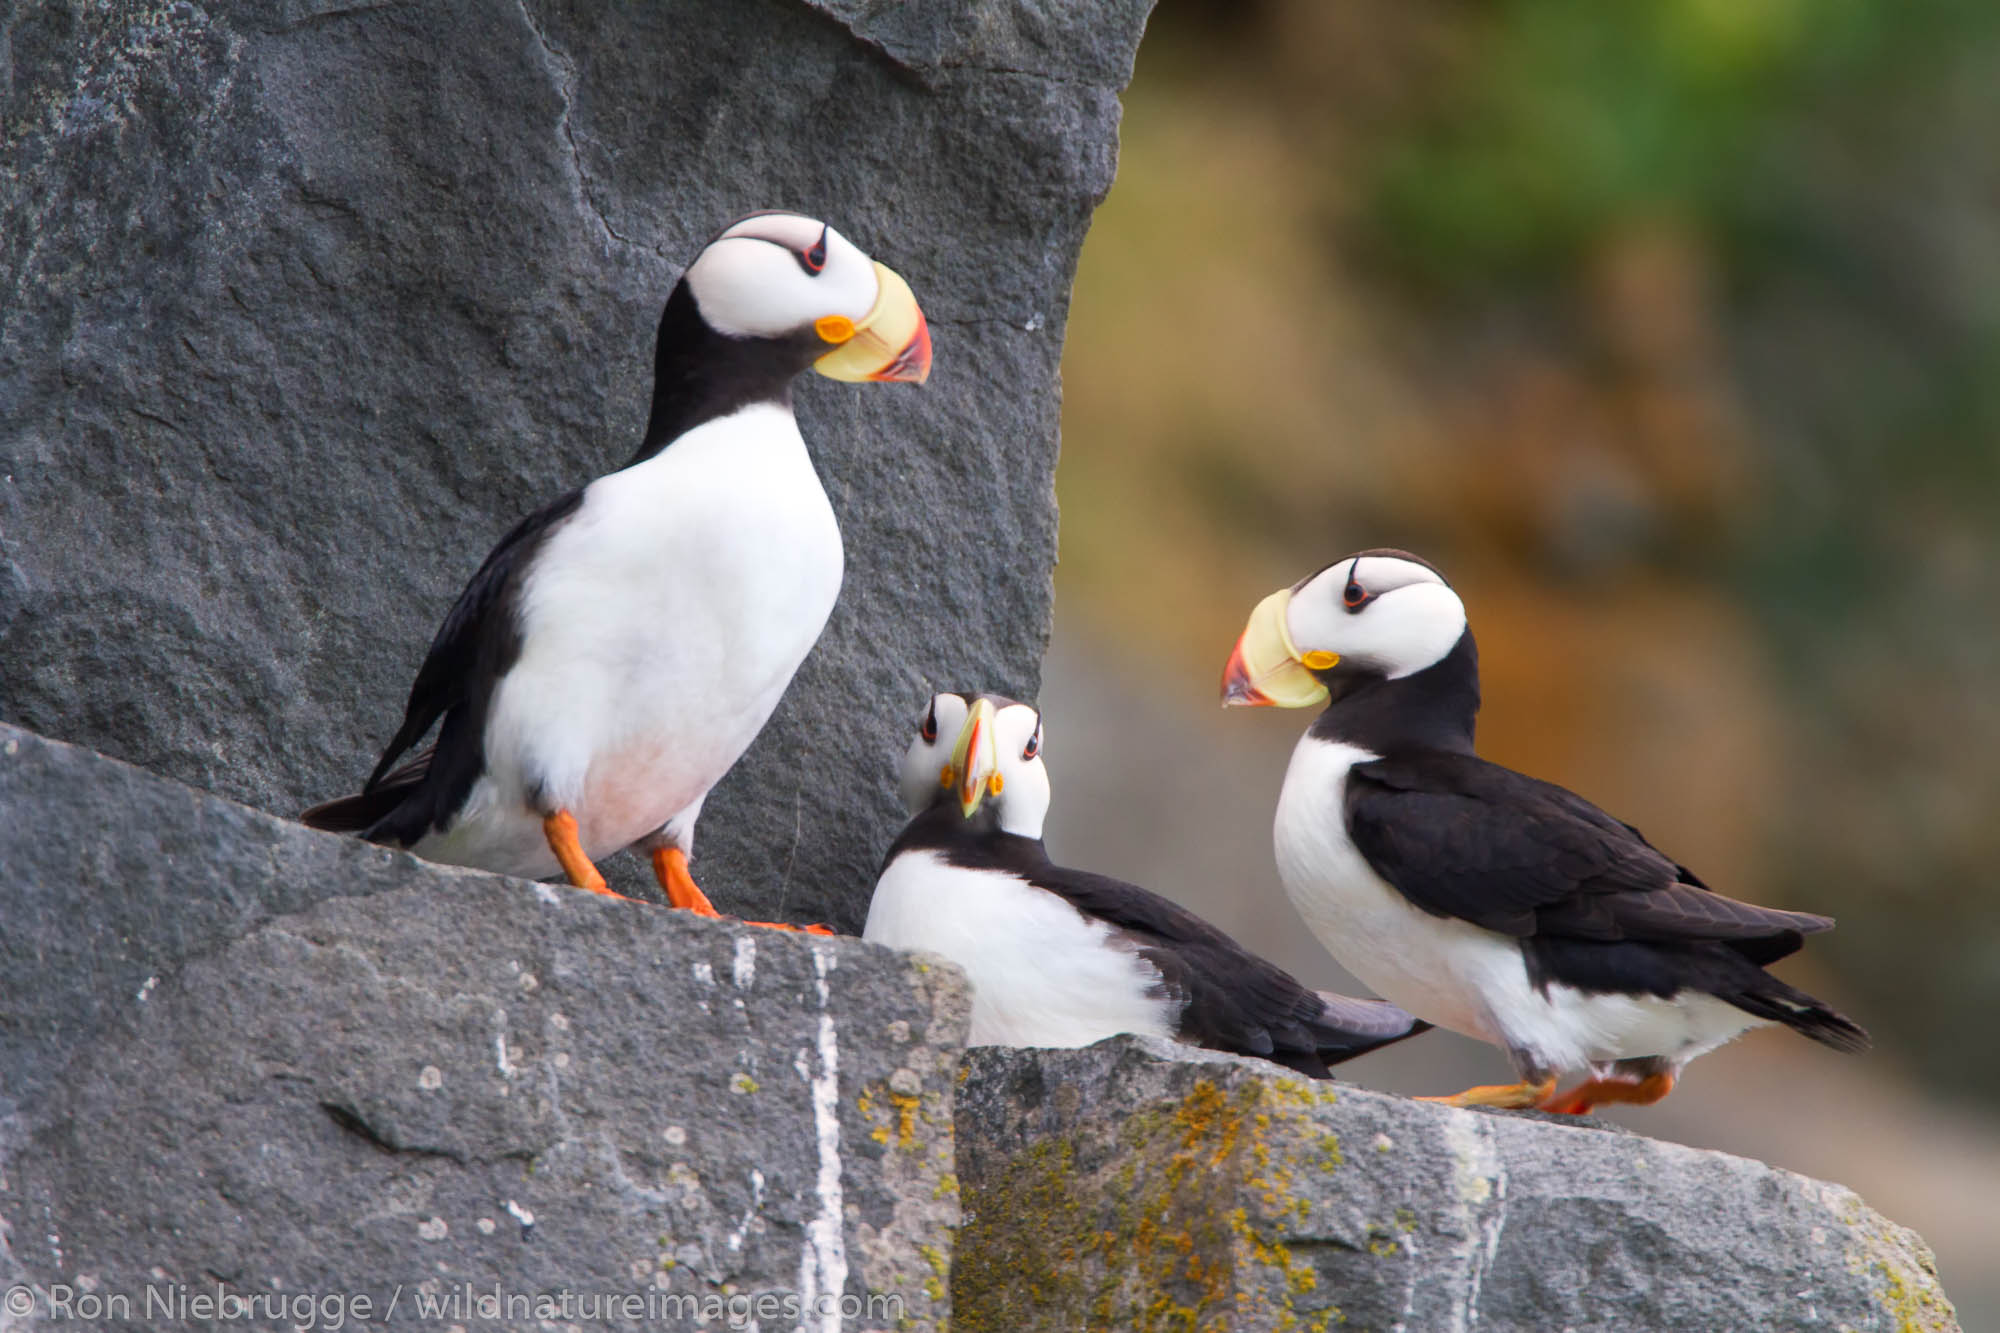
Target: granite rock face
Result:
[302, 305]
[1138, 1186]
[290, 1064]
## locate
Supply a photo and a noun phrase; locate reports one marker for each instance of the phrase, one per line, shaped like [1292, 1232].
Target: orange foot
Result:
[560, 829]
[1511, 1096]
[1584, 1097]
[670, 867]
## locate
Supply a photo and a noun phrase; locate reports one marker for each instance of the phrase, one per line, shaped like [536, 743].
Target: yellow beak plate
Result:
[1266, 670]
[890, 343]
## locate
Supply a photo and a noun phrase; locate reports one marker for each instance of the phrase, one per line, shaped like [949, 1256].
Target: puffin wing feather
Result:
[1460, 837]
[478, 641]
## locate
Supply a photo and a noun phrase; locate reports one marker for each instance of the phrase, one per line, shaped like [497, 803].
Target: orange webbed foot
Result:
[1586, 1097]
[1508, 1096]
[560, 829]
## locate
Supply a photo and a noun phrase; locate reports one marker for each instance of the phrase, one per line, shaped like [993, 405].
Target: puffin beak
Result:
[975, 764]
[1266, 669]
[890, 342]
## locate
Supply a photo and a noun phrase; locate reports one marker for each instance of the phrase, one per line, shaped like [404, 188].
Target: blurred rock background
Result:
[1672, 332]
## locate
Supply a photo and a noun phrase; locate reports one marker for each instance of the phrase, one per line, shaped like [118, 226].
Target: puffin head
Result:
[1377, 615]
[980, 754]
[792, 280]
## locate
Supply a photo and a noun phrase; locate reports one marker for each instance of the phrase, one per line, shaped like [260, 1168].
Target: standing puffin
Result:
[1061, 957]
[1485, 901]
[619, 649]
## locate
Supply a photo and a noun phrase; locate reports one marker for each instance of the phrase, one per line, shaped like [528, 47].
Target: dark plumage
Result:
[1597, 906]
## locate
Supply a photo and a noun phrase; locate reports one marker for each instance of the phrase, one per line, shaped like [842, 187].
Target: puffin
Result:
[621, 647]
[1485, 901]
[1062, 957]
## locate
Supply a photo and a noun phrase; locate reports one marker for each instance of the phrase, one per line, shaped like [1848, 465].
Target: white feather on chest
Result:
[660, 625]
[1042, 973]
[1450, 972]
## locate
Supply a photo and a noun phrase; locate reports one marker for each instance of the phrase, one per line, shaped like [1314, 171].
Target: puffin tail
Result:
[359, 813]
[366, 812]
[1348, 1027]
[1772, 999]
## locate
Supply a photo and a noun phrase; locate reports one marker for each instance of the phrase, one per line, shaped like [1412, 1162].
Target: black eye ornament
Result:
[1034, 745]
[1354, 596]
[813, 261]
[929, 730]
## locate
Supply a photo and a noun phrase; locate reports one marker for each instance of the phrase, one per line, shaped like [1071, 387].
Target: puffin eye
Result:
[1354, 596]
[813, 261]
[929, 730]
[1034, 745]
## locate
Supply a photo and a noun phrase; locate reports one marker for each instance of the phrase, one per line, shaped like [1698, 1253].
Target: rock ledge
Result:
[1134, 1185]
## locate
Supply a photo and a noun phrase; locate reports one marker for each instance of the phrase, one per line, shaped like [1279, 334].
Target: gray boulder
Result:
[303, 304]
[246, 1057]
[1140, 1186]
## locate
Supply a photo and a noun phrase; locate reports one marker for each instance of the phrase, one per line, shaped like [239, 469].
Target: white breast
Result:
[660, 625]
[1452, 973]
[1042, 973]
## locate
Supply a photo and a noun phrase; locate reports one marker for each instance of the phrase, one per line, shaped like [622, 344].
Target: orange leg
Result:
[560, 829]
[1512, 1096]
[1581, 1099]
[670, 867]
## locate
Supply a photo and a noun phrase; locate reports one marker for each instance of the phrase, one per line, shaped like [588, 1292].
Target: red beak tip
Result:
[913, 364]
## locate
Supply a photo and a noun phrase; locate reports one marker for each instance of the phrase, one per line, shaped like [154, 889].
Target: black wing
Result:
[1231, 999]
[1463, 838]
[479, 640]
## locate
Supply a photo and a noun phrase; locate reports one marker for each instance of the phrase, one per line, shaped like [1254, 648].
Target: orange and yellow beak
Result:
[889, 343]
[974, 770]
[1267, 668]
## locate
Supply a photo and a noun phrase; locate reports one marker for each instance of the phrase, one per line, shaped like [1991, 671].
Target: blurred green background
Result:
[1671, 331]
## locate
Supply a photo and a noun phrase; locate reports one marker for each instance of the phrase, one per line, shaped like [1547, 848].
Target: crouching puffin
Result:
[1061, 957]
[619, 649]
[1480, 899]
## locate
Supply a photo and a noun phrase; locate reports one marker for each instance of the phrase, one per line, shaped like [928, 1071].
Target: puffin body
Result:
[1483, 900]
[1043, 972]
[1063, 957]
[663, 685]
[618, 651]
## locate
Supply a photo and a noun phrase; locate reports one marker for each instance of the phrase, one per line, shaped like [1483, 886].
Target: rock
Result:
[1136, 1185]
[297, 1065]
[306, 303]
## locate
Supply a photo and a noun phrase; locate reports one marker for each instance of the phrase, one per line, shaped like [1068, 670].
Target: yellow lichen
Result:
[1150, 1236]
[906, 1117]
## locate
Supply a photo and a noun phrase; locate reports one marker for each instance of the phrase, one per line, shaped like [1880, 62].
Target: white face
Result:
[1010, 747]
[1378, 612]
[774, 274]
